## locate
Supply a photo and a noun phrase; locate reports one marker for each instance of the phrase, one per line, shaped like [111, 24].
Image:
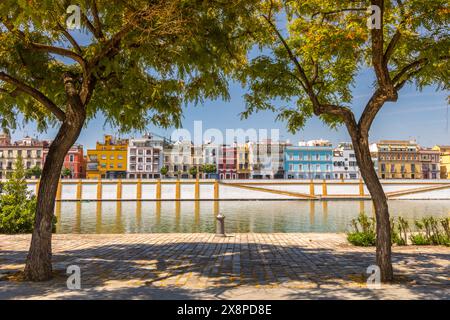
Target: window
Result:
[120, 157]
[291, 167]
[103, 156]
[111, 157]
[120, 165]
[71, 158]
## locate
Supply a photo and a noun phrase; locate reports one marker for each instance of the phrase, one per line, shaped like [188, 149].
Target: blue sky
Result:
[423, 116]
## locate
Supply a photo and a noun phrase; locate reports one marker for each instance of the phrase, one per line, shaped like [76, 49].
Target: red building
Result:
[74, 161]
[227, 162]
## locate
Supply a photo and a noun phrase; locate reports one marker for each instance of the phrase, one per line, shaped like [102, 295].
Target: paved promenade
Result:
[240, 266]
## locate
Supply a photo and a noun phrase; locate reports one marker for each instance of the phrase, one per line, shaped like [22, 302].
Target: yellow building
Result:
[108, 159]
[243, 162]
[398, 159]
[444, 161]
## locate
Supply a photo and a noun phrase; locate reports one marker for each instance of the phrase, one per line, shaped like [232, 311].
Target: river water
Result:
[240, 216]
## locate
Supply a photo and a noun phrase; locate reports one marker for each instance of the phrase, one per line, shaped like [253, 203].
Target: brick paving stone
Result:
[285, 266]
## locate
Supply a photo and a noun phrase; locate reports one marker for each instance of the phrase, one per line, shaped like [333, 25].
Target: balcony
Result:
[92, 166]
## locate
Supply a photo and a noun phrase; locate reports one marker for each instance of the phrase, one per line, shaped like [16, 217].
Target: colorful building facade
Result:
[108, 159]
[266, 159]
[227, 162]
[243, 162]
[429, 159]
[74, 161]
[399, 159]
[444, 163]
[31, 151]
[345, 165]
[145, 157]
[309, 160]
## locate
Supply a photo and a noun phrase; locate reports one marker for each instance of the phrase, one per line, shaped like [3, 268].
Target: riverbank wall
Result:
[204, 189]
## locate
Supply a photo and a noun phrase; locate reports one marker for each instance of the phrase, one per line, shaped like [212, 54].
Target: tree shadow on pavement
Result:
[196, 270]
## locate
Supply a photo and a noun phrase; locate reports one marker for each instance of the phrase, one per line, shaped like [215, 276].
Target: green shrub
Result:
[399, 231]
[17, 204]
[431, 231]
[361, 239]
[419, 240]
[363, 231]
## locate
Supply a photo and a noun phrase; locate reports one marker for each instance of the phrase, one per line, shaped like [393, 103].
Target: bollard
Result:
[221, 225]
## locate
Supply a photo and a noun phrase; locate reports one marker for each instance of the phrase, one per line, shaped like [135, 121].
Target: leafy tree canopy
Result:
[138, 55]
[311, 64]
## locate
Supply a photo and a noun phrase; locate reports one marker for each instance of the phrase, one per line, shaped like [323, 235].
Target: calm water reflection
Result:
[241, 216]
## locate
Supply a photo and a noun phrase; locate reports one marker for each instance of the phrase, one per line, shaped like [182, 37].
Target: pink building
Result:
[227, 162]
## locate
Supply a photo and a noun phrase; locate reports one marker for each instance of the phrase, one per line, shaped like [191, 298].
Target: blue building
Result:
[309, 160]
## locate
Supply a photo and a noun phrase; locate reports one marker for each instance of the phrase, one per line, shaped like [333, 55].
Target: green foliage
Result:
[363, 231]
[170, 53]
[66, 172]
[17, 204]
[431, 231]
[33, 172]
[164, 170]
[193, 171]
[361, 239]
[208, 168]
[331, 42]
[399, 231]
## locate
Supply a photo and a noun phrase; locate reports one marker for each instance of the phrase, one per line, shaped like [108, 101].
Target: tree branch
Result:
[407, 68]
[378, 61]
[68, 36]
[372, 108]
[45, 48]
[391, 47]
[34, 93]
[327, 13]
[62, 52]
[97, 23]
[304, 80]
[343, 112]
[111, 44]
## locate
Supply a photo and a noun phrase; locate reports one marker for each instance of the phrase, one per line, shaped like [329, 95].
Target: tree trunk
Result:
[38, 265]
[383, 228]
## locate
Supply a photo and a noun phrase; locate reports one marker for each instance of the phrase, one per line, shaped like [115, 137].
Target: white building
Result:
[266, 159]
[345, 165]
[145, 157]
